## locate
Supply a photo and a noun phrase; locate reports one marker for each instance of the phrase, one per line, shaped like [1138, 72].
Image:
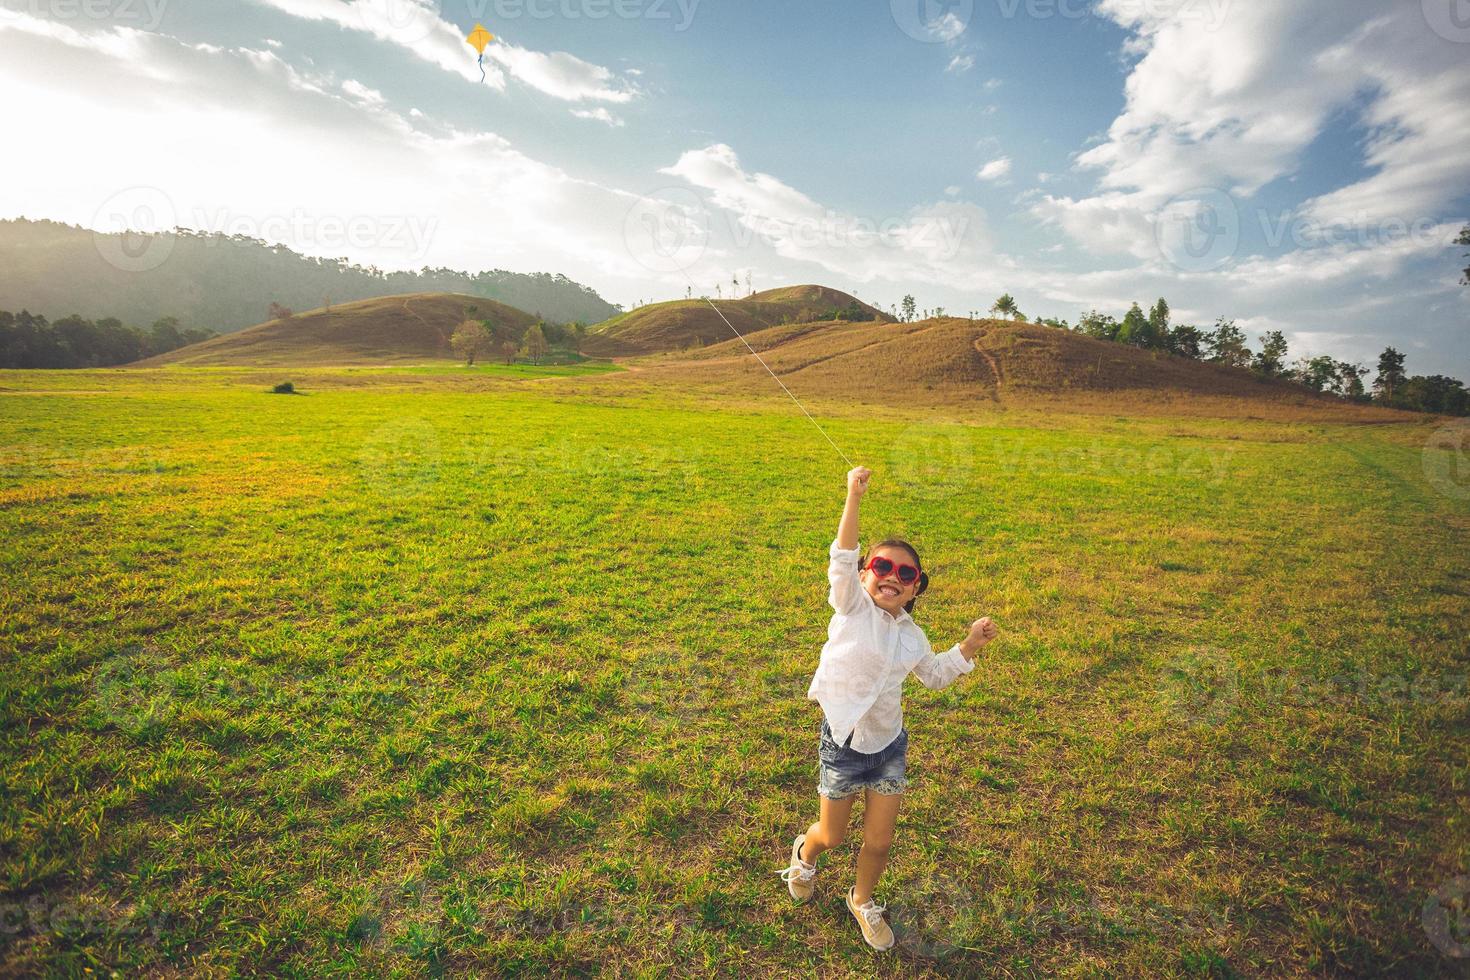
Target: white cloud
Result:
[961, 63]
[948, 27]
[1232, 103]
[598, 115]
[379, 189]
[996, 169]
[362, 93]
[944, 242]
[416, 26]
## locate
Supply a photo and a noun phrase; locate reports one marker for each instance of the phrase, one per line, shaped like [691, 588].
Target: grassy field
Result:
[453, 672]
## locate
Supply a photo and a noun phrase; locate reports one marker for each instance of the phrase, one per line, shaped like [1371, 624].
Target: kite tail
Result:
[482, 68]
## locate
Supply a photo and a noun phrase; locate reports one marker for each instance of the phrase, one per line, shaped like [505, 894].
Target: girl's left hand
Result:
[982, 631]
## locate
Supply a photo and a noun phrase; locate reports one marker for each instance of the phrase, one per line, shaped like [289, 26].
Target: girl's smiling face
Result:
[889, 594]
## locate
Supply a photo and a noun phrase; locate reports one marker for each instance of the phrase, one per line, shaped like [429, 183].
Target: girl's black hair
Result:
[908, 607]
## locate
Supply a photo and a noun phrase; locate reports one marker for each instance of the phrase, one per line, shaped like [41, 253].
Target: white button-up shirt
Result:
[867, 655]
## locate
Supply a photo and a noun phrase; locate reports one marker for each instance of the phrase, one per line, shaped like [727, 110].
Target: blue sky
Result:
[1293, 166]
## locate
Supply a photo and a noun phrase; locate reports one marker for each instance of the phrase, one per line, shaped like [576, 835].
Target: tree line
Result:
[1227, 344]
[481, 339]
[28, 340]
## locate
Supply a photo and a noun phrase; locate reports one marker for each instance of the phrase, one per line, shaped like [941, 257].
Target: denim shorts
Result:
[843, 771]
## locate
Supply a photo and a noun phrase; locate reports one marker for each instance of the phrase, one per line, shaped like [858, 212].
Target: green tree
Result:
[1272, 358]
[909, 308]
[1157, 334]
[1350, 380]
[1134, 327]
[1390, 375]
[1006, 307]
[1186, 340]
[1227, 344]
[534, 343]
[1435, 393]
[1099, 325]
[470, 340]
[1319, 374]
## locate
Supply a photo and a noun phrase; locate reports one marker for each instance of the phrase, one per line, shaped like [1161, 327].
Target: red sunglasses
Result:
[884, 567]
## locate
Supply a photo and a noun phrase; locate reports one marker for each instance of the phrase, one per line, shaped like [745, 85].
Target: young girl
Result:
[872, 645]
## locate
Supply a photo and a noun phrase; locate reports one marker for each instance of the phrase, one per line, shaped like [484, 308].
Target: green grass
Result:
[397, 679]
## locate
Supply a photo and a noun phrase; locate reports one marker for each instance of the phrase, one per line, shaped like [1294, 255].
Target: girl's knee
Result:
[879, 841]
[833, 836]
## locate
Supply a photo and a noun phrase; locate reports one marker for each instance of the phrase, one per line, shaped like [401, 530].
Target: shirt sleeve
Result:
[842, 574]
[943, 670]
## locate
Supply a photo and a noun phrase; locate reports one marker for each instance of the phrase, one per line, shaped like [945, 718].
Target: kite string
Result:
[778, 381]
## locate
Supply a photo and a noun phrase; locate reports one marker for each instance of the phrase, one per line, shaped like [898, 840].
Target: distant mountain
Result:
[383, 330]
[225, 283]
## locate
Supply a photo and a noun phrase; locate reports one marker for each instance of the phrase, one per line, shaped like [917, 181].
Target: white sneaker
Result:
[800, 877]
[870, 916]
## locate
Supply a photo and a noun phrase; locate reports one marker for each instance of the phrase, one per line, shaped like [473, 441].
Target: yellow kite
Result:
[478, 38]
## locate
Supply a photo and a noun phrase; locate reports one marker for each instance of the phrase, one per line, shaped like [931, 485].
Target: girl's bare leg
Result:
[880, 815]
[830, 829]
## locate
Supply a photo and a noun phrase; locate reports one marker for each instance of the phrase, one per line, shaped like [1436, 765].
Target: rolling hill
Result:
[386, 330]
[954, 362]
[947, 362]
[686, 323]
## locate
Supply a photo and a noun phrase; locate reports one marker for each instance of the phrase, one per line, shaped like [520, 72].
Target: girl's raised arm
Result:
[857, 485]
